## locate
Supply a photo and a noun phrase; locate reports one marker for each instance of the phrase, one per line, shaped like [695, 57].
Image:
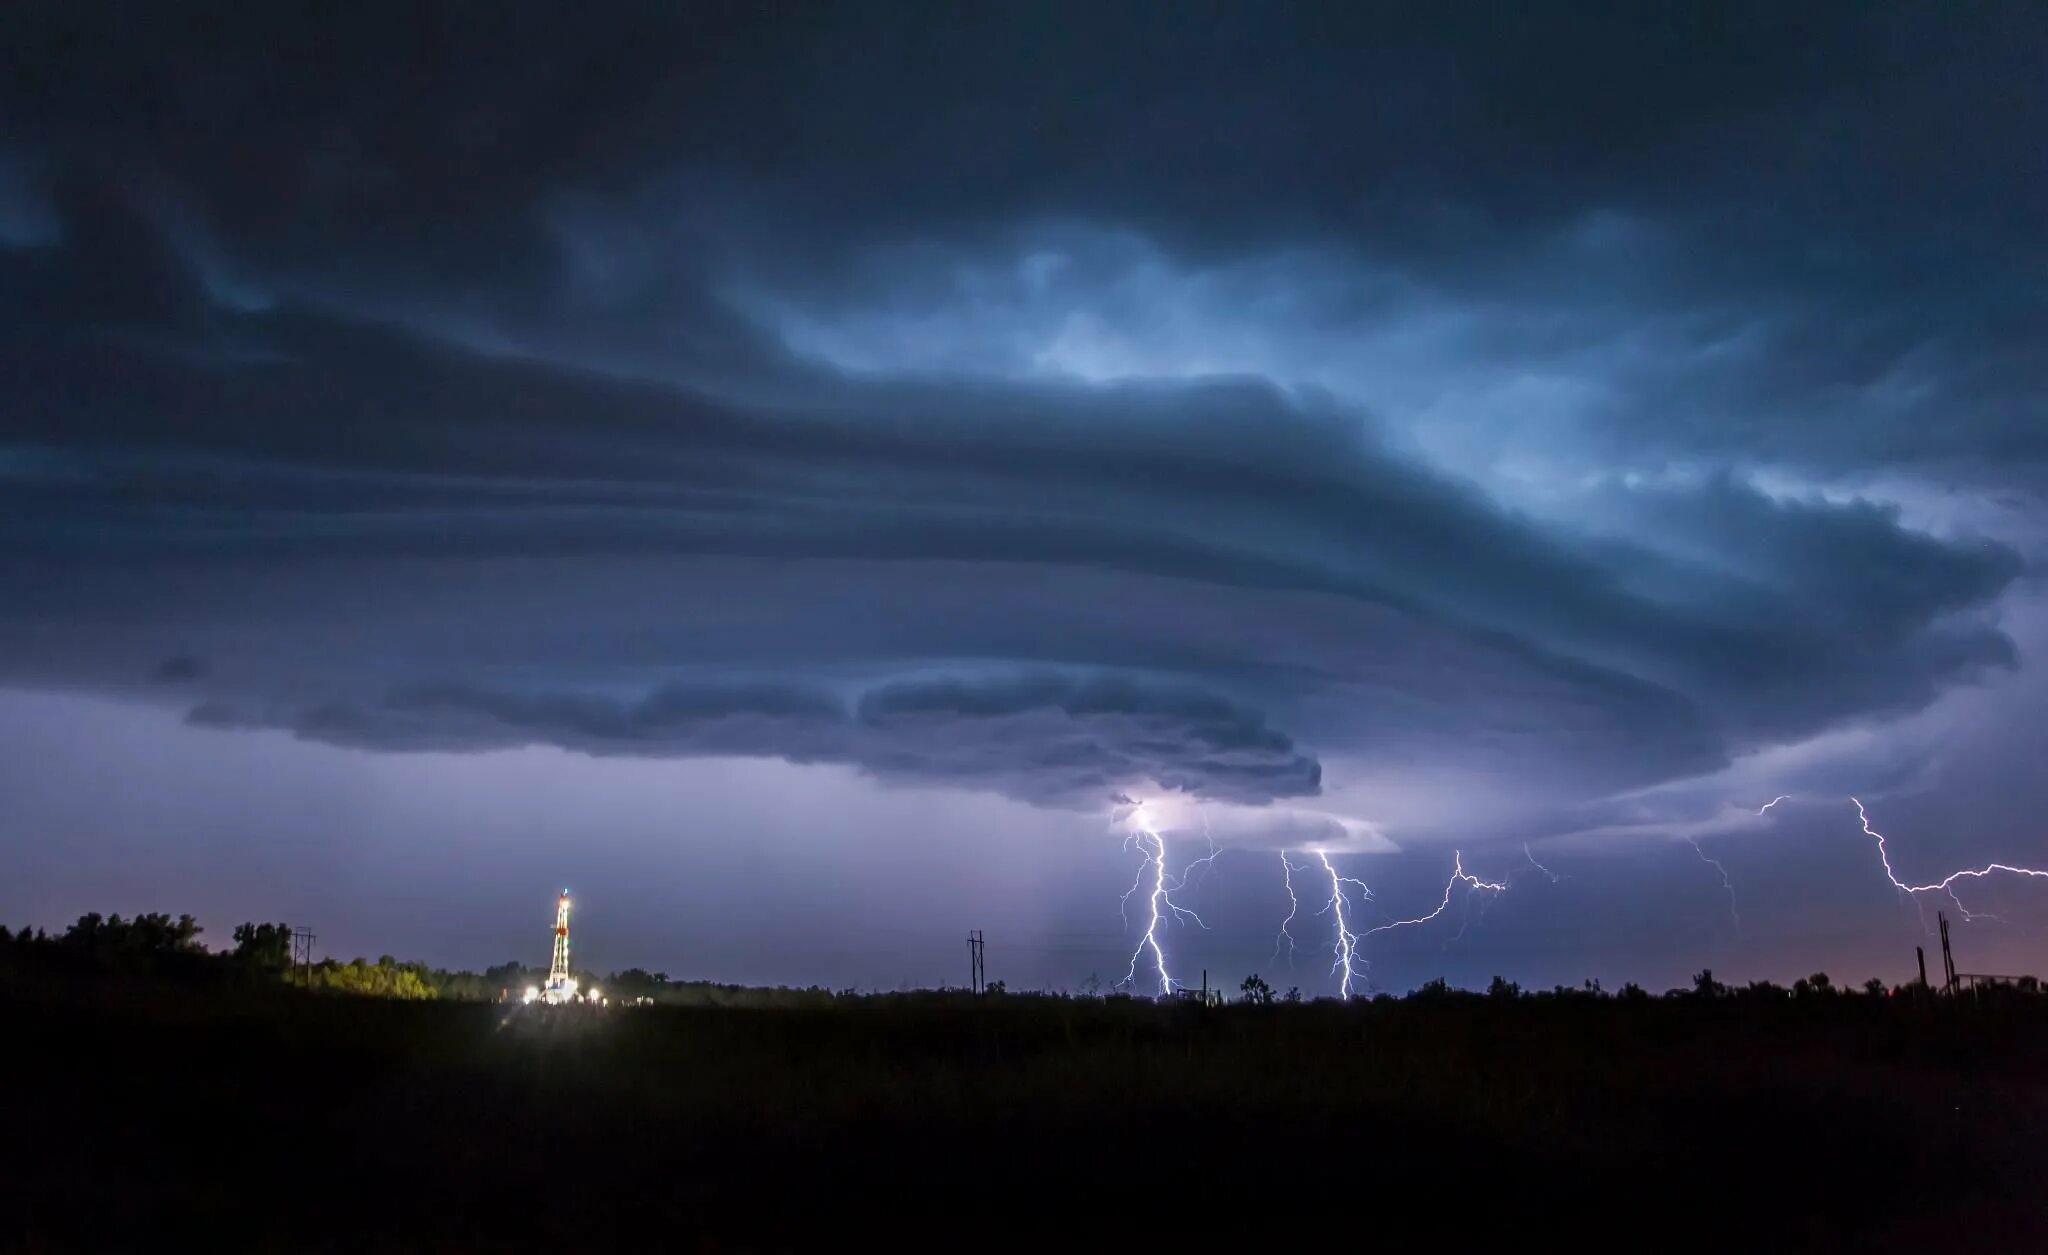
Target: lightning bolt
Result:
[1554, 877]
[1348, 966]
[1206, 860]
[1293, 908]
[1782, 797]
[1458, 874]
[1947, 883]
[1155, 859]
[1153, 847]
[1726, 883]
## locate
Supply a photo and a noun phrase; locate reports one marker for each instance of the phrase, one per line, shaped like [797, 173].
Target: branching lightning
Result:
[1733, 916]
[1458, 874]
[1347, 966]
[1293, 908]
[1204, 862]
[1947, 883]
[1554, 877]
[1155, 858]
[1156, 887]
[1159, 902]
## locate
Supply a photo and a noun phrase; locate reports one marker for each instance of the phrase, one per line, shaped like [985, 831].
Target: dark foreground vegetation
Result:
[162, 946]
[169, 1111]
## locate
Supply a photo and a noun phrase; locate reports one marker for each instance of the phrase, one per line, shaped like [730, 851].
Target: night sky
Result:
[794, 474]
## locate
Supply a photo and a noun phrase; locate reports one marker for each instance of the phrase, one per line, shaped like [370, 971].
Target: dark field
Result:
[226, 1119]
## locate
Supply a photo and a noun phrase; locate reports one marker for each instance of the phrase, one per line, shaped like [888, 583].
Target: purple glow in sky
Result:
[798, 500]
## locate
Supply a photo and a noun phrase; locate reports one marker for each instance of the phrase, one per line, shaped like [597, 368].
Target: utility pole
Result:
[977, 962]
[302, 955]
[1920, 953]
[1948, 958]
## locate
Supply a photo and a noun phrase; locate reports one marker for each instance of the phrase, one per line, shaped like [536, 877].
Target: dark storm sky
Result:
[784, 470]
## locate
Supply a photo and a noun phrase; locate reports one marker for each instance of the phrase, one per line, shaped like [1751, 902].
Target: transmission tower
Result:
[302, 956]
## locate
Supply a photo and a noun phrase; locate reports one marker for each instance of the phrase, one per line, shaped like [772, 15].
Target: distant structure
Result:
[558, 969]
[561, 986]
[1205, 996]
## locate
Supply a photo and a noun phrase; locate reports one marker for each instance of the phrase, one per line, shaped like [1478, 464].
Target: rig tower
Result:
[561, 986]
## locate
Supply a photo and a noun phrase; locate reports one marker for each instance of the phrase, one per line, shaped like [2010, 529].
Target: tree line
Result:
[1704, 987]
[160, 945]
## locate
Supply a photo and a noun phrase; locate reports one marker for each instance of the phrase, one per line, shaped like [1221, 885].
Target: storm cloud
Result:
[1491, 425]
[1046, 739]
[1740, 616]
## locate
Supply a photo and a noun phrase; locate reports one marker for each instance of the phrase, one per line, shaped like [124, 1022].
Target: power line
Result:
[302, 954]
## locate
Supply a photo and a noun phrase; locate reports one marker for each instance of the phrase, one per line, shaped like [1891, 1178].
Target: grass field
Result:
[144, 1116]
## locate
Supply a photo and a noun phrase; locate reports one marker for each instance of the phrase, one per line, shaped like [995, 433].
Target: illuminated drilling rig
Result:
[561, 986]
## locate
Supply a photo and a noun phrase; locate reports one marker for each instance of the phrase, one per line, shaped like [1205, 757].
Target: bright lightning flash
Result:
[1782, 797]
[1293, 908]
[1458, 874]
[1947, 883]
[1348, 965]
[1160, 901]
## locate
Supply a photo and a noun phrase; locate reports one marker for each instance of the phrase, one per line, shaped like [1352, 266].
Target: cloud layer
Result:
[1257, 419]
[1049, 739]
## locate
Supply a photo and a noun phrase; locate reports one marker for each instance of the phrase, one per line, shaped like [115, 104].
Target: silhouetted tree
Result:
[462, 986]
[636, 983]
[1256, 991]
[1502, 987]
[265, 947]
[117, 942]
[1875, 988]
[511, 979]
[1705, 986]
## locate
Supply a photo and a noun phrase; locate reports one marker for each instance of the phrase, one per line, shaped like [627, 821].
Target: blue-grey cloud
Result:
[1043, 738]
[1218, 376]
[179, 668]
